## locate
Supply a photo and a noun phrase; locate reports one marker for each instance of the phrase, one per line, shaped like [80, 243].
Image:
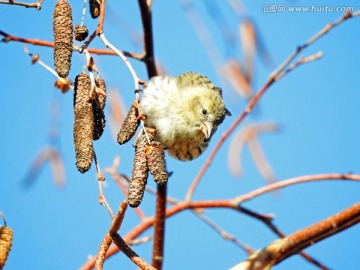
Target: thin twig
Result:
[281, 249]
[36, 5]
[213, 153]
[101, 179]
[123, 57]
[91, 68]
[301, 61]
[197, 212]
[148, 37]
[225, 234]
[130, 253]
[100, 28]
[227, 203]
[83, 13]
[257, 97]
[39, 42]
[317, 36]
[292, 181]
[140, 241]
[51, 70]
[101, 255]
[268, 221]
[105, 244]
[159, 227]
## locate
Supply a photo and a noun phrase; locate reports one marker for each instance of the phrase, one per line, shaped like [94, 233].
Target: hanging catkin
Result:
[98, 108]
[140, 170]
[63, 36]
[83, 123]
[130, 124]
[139, 174]
[6, 236]
[94, 8]
[156, 163]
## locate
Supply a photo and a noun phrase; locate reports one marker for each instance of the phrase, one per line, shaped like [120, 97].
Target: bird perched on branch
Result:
[185, 111]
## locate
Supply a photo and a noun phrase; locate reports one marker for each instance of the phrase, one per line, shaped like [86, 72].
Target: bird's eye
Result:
[204, 111]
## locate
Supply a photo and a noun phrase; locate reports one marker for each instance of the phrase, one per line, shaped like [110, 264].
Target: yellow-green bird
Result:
[185, 110]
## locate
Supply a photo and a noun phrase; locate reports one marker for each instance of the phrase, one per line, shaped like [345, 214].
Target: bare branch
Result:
[227, 203]
[281, 249]
[301, 61]
[295, 180]
[39, 42]
[36, 5]
[257, 97]
[131, 254]
[148, 37]
[227, 236]
[159, 227]
[115, 226]
[123, 57]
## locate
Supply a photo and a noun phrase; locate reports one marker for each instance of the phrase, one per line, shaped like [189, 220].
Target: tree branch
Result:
[273, 78]
[115, 226]
[145, 10]
[36, 5]
[159, 227]
[39, 42]
[227, 203]
[283, 248]
[131, 254]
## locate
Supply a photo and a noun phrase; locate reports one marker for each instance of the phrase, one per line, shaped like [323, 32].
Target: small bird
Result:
[185, 111]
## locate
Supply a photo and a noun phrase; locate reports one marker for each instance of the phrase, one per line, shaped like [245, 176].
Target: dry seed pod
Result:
[35, 58]
[156, 163]
[63, 36]
[139, 174]
[80, 32]
[130, 124]
[83, 123]
[94, 8]
[98, 109]
[6, 235]
[63, 84]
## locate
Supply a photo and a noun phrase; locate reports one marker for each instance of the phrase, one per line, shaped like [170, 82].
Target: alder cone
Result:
[6, 236]
[83, 123]
[98, 109]
[95, 8]
[80, 32]
[130, 124]
[63, 37]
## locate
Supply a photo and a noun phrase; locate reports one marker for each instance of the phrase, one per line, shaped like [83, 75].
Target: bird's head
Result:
[207, 109]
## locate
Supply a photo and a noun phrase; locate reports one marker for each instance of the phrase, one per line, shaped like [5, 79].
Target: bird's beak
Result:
[227, 112]
[206, 128]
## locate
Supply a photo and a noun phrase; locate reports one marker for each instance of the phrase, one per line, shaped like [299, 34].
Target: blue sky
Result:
[316, 106]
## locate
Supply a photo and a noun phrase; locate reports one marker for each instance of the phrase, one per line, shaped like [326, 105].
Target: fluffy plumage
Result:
[185, 110]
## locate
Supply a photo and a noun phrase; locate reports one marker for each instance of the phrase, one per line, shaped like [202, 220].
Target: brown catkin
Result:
[130, 124]
[80, 32]
[140, 171]
[139, 174]
[156, 163]
[83, 123]
[6, 236]
[98, 109]
[63, 36]
[95, 8]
